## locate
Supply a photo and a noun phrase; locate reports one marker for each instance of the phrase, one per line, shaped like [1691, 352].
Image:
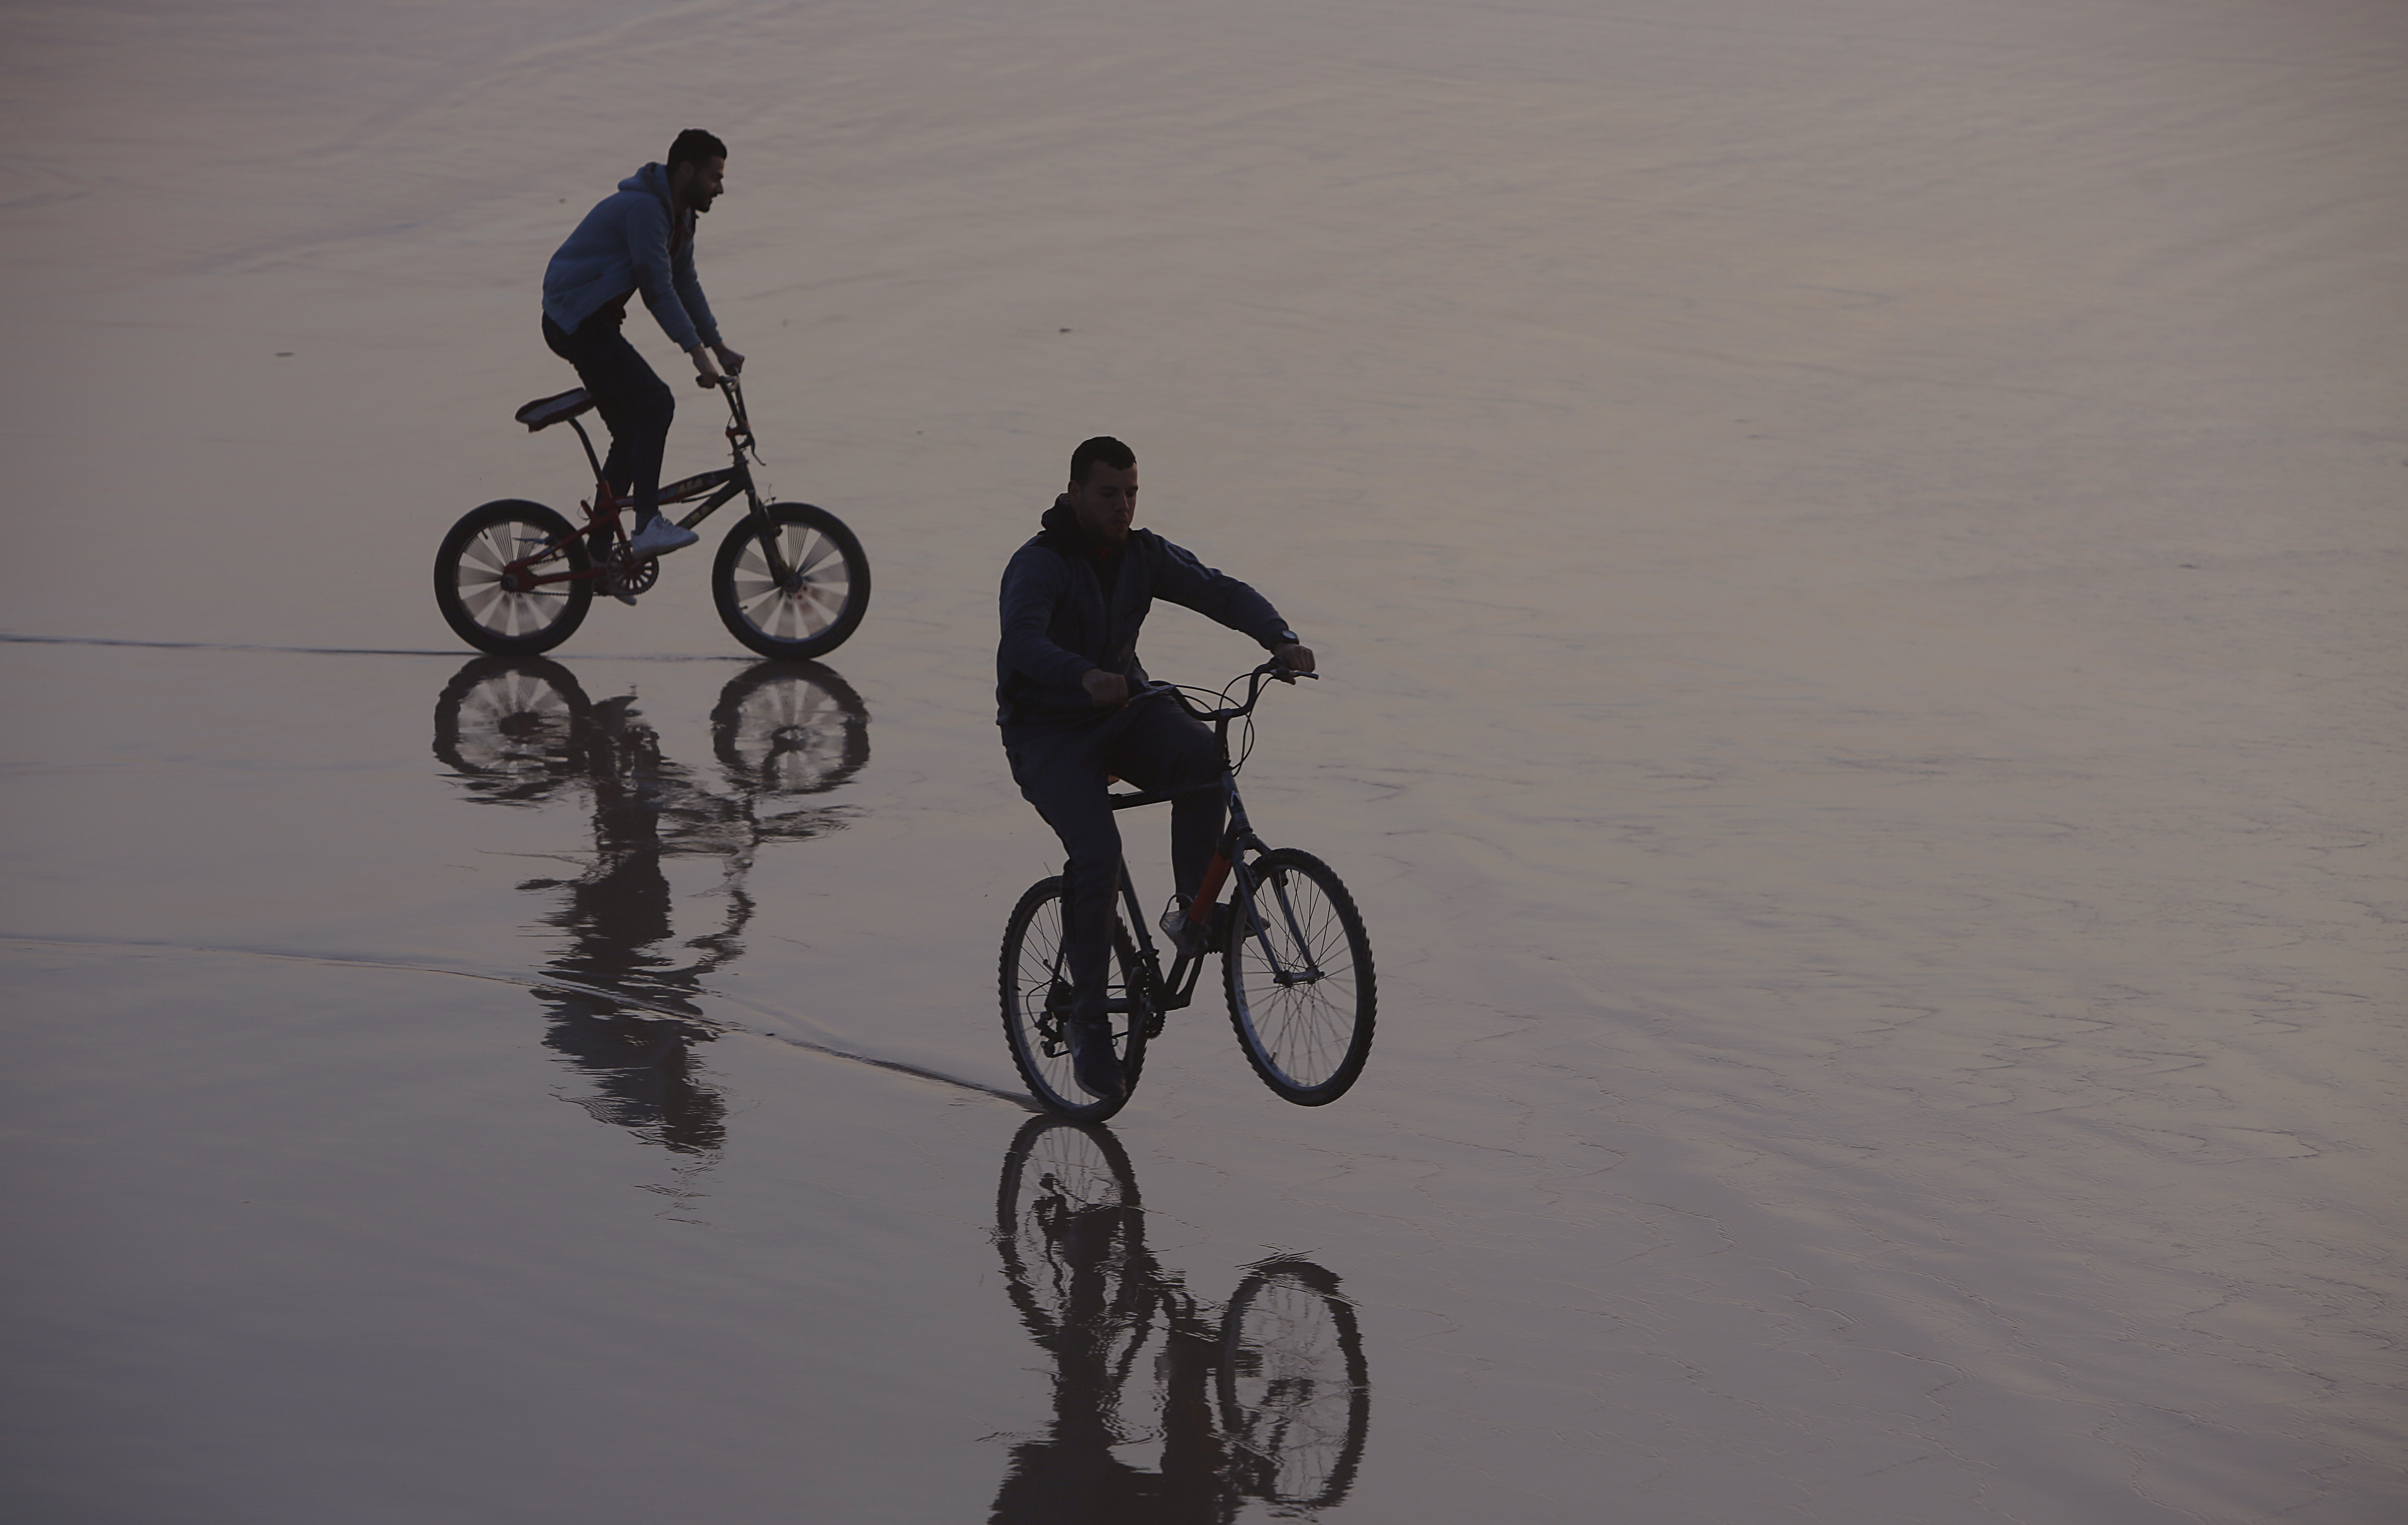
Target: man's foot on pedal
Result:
[1093, 1063]
[1194, 940]
[661, 537]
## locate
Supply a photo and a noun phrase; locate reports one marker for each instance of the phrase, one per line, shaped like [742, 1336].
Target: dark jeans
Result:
[634, 402]
[1152, 744]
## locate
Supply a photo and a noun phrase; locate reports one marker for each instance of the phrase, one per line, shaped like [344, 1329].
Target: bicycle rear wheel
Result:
[822, 599]
[1036, 989]
[1066, 1207]
[514, 728]
[483, 603]
[1299, 976]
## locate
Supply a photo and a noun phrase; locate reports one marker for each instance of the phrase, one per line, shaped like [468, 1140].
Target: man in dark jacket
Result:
[641, 238]
[1065, 671]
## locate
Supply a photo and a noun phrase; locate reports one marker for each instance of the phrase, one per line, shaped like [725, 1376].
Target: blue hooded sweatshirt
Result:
[629, 242]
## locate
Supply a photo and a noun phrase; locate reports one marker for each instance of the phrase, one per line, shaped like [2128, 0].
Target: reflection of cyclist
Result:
[641, 238]
[520, 730]
[1136, 1357]
[1073, 600]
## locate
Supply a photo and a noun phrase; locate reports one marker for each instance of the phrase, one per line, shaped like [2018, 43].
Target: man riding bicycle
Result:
[1065, 670]
[641, 238]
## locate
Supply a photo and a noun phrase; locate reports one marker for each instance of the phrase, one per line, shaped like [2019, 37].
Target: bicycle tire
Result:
[1307, 1038]
[1035, 996]
[790, 729]
[819, 610]
[514, 728]
[468, 578]
[1295, 1394]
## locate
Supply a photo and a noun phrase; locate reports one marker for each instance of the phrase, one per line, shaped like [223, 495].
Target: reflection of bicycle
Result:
[514, 577]
[1296, 962]
[1269, 1400]
[519, 730]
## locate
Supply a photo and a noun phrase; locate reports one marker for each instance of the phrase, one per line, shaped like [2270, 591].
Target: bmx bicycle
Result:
[515, 578]
[1296, 962]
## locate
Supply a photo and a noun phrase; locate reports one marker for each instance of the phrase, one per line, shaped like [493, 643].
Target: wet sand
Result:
[1857, 549]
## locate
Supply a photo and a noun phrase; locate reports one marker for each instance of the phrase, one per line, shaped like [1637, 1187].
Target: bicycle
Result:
[515, 578]
[1296, 961]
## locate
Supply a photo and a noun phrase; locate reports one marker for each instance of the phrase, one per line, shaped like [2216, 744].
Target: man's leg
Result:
[634, 402]
[1164, 747]
[1063, 776]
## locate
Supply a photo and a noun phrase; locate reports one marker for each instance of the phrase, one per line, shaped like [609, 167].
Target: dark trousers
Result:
[634, 402]
[1153, 745]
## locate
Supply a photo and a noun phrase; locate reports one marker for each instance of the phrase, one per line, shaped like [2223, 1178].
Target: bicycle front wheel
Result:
[1036, 987]
[790, 729]
[824, 593]
[490, 607]
[1296, 1398]
[1298, 972]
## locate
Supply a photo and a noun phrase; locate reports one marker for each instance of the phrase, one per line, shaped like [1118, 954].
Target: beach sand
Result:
[1855, 547]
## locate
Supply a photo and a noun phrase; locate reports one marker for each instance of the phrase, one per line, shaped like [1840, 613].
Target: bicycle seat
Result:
[544, 412]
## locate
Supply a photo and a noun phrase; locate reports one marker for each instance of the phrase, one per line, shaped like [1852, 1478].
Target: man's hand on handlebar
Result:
[1106, 690]
[705, 373]
[1296, 658]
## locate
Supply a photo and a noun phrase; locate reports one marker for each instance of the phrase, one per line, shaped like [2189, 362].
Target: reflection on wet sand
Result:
[521, 732]
[1269, 1401]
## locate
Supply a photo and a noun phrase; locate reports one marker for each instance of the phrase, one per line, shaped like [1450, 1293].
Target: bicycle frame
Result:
[1168, 992]
[720, 486]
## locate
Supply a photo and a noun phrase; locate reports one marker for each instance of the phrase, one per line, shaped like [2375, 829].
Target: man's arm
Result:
[1215, 595]
[671, 289]
[687, 282]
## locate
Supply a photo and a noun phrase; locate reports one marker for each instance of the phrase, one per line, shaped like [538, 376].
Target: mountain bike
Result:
[515, 578]
[1296, 961]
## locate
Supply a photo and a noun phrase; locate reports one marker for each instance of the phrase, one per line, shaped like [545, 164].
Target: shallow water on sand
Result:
[1855, 550]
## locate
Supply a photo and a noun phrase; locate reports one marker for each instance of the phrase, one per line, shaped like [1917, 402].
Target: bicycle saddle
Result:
[544, 412]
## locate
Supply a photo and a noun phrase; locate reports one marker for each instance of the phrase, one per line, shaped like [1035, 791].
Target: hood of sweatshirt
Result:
[653, 178]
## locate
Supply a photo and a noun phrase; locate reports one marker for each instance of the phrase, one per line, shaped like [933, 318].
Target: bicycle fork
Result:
[1283, 972]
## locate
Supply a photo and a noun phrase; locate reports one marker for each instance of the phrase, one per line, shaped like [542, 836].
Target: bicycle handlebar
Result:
[1268, 671]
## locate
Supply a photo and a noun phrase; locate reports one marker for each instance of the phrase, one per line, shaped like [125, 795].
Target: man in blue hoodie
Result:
[641, 238]
[1065, 671]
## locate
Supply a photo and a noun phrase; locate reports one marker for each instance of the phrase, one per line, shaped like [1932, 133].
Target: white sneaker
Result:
[661, 537]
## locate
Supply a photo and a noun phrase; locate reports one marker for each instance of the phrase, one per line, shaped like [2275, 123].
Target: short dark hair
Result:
[1103, 448]
[693, 145]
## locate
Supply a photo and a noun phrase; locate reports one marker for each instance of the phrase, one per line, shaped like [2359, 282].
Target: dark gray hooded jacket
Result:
[1059, 623]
